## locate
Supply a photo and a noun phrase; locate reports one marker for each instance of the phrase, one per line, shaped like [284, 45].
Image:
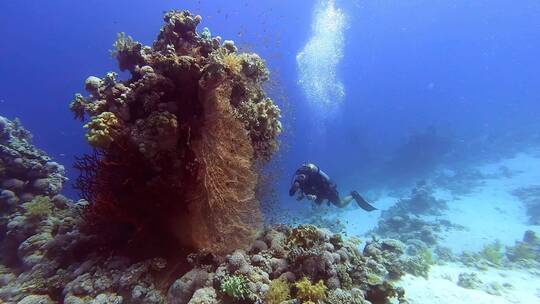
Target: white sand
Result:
[490, 213]
[493, 212]
[441, 287]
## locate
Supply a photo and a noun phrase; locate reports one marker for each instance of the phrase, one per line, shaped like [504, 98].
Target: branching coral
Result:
[493, 253]
[278, 292]
[232, 62]
[127, 51]
[236, 287]
[526, 250]
[307, 292]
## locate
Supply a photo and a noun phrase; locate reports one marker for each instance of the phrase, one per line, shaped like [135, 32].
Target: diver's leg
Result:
[343, 202]
[362, 203]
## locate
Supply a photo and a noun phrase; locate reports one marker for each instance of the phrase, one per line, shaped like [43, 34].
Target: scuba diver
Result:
[312, 183]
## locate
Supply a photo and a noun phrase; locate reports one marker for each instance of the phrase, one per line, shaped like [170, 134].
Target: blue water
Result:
[379, 94]
[465, 70]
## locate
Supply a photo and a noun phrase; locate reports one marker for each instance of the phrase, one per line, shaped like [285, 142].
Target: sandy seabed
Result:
[488, 213]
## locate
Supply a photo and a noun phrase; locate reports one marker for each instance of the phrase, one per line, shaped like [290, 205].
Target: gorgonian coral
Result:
[178, 141]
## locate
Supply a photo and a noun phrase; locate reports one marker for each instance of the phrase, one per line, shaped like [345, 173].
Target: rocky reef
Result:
[178, 146]
[415, 221]
[295, 265]
[526, 251]
[524, 254]
[47, 257]
[29, 185]
[25, 171]
[411, 220]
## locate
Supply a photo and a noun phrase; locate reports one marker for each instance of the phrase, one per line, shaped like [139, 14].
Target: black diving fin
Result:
[362, 203]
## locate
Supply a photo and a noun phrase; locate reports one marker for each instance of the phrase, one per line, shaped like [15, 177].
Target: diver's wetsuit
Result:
[313, 182]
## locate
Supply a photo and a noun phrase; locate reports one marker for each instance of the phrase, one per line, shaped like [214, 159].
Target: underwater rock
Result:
[530, 196]
[445, 254]
[460, 182]
[411, 221]
[207, 295]
[527, 251]
[469, 280]
[183, 289]
[188, 131]
[422, 201]
[36, 299]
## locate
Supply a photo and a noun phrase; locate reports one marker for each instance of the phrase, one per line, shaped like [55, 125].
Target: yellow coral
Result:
[102, 130]
[279, 291]
[310, 293]
[38, 207]
[232, 62]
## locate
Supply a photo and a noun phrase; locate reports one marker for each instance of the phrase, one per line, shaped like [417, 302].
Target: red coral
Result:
[130, 200]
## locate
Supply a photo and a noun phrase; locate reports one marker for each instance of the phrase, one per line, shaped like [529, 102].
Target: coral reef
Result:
[414, 222]
[307, 292]
[236, 287]
[174, 168]
[46, 258]
[469, 280]
[287, 264]
[526, 251]
[530, 196]
[524, 254]
[420, 263]
[29, 185]
[53, 261]
[404, 220]
[493, 253]
[460, 182]
[422, 201]
[408, 228]
[178, 144]
[278, 291]
[25, 171]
